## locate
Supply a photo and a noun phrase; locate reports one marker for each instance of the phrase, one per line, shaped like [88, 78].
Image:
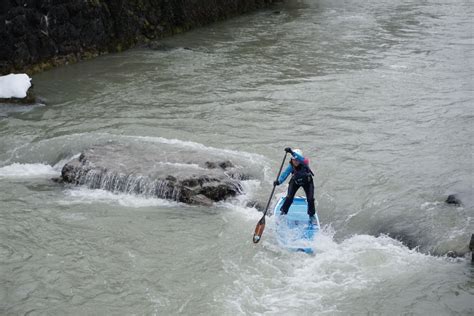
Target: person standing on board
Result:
[302, 177]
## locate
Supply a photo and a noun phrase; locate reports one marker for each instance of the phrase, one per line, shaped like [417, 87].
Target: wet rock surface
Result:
[453, 199]
[29, 99]
[471, 247]
[178, 176]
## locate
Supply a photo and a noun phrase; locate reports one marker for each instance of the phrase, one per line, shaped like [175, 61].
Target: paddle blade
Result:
[257, 235]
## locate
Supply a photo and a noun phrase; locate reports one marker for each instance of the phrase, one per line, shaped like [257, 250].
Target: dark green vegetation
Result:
[40, 34]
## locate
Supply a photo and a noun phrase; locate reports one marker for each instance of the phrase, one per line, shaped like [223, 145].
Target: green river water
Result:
[379, 95]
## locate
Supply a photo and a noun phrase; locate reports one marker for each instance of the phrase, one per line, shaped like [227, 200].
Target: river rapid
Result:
[378, 94]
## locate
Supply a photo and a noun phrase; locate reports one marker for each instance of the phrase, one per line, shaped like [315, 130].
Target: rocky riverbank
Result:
[40, 34]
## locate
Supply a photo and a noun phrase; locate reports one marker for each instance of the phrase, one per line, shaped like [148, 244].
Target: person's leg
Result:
[309, 190]
[292, 188]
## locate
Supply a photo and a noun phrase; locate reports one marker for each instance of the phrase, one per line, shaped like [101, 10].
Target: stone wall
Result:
[39, 34]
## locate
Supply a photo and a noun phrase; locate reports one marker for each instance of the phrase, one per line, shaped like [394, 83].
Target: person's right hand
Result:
[275, 183]
[288, 150]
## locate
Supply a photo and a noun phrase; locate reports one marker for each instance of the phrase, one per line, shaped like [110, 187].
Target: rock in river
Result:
[175, 175]
[453, 199]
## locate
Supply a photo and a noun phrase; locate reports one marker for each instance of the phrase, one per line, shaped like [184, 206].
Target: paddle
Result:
[261, 223]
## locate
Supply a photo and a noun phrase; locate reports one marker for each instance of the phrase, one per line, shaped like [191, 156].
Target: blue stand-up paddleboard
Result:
[294, 231]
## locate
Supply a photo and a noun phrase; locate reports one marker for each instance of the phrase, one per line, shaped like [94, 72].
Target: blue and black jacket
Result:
[301, 174]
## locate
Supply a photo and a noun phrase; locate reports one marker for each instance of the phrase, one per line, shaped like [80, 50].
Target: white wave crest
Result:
[82, 195]
[288, 283]
[199, 146]
[181, 165]
[35, 170]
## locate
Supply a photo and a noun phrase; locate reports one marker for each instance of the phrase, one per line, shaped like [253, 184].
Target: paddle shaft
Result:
[274, 186]
[261, 223]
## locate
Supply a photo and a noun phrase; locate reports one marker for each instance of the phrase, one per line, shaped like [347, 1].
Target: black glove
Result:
[288, 150]
[275, 183]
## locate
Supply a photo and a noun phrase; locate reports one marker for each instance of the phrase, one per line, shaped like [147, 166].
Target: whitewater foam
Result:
[182, 165]
[239, 204]
[83, 195]
[199, 146]
[35, 170]
[352, 268]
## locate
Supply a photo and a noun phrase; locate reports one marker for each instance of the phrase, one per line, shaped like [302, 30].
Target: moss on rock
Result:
[43, 34]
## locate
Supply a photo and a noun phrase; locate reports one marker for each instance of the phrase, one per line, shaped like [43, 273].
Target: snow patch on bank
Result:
[14, 86]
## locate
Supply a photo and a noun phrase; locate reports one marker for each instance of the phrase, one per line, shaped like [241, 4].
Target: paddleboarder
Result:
[302, 177]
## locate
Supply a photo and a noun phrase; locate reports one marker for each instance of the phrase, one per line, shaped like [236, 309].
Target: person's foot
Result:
[312, 220]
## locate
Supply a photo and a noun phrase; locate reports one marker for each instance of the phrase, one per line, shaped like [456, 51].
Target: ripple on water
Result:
[10, 254]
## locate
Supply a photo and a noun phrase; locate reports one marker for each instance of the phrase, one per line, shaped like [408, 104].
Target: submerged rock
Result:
[434, 245]
[404, 237]
[29, 99]
[471, 247]
[154, 45]
[223, 165]
[452, 254]
[125, 168]
[453, 199]
[257, 205]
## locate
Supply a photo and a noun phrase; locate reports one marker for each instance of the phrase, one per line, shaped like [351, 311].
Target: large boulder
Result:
[180, 176]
